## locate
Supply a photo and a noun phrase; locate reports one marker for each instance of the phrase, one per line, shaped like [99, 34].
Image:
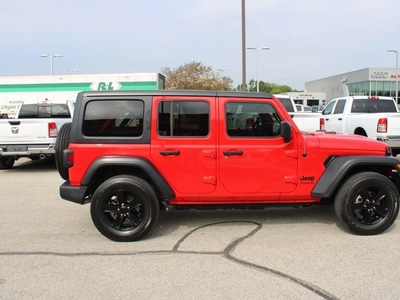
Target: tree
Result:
[195, 76]
[266, 87]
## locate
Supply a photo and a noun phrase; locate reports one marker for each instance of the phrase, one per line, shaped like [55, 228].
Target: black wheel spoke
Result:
[367, 217]
[135, 220]
[379, 196]
[134, 205]
[118, 222]
[108, 208]
[381, 211]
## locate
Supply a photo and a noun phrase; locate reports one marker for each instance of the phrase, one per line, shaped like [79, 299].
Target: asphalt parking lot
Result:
[50, 249]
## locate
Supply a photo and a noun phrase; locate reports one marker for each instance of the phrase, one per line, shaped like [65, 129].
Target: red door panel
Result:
[184, 144]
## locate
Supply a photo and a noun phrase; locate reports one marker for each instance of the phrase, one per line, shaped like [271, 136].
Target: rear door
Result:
[253, 158]
[183, 143]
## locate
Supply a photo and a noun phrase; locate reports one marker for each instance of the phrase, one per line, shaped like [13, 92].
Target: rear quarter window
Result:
[122, 118]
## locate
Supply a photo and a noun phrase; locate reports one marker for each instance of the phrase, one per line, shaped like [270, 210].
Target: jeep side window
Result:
[183, 118]
[123, 118]
[252, 119]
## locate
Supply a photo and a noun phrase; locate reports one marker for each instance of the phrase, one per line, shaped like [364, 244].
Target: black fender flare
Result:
[139, 162]
[338, 167]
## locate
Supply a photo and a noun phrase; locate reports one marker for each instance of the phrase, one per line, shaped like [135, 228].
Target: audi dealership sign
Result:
[379, 74]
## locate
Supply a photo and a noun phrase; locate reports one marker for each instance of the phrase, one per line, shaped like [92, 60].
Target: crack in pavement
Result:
[227, 253]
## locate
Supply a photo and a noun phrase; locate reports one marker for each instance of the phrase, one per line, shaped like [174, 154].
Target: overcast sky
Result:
[308, 39]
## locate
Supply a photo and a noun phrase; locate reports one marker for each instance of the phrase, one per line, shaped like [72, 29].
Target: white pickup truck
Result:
[34, 131]
[305, 121]
[377, 118]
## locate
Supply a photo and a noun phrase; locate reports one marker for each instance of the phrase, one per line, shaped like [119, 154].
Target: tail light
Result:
[53, 130]
[249, 123]
[321, 124]
[68, 158]
[382, 125]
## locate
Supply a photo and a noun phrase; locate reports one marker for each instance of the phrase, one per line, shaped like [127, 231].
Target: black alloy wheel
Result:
[367, 203]
[124, 208]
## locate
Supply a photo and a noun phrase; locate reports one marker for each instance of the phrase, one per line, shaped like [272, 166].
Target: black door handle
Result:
[170, 152]
[229, 152]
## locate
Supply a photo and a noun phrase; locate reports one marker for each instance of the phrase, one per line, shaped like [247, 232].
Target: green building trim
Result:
[75, 86]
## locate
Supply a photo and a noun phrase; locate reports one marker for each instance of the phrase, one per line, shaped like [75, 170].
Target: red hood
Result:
[344, 142]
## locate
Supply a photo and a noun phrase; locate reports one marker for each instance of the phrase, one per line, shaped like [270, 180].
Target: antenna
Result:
[304, 145]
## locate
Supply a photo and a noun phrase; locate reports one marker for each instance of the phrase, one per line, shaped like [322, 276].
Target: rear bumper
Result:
[26, 150]
[74, 194]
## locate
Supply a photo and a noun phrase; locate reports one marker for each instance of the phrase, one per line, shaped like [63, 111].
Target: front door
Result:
[253, 158]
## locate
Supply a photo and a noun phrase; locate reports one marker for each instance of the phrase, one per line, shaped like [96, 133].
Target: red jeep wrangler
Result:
[132, 153]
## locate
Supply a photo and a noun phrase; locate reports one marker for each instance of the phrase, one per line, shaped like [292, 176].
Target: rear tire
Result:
[367, 203]
[6, 162]
[62, 143]
[124, 208]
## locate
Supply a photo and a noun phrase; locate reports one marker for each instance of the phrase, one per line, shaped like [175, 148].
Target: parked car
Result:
[34, 131]
[375, 117]
[304, 120]
[303, 108]
[317, 108]
[132, 153]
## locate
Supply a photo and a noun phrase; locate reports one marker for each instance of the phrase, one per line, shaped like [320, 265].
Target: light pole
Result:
[258, 54]
[397, 75]
[244, 88]
[51, 56]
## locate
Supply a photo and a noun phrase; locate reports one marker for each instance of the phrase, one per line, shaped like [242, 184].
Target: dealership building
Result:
[364, 82]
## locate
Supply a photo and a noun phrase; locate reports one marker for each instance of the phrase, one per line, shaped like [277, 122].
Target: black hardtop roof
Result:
[119, 93]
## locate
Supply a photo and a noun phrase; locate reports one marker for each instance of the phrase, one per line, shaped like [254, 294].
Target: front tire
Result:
[124, 208]
[367, 203]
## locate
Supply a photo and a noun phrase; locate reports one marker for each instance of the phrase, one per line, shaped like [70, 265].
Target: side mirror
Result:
[286, 131]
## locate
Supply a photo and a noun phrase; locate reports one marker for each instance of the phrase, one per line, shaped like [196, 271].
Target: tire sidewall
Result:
[343, 206]
[62, 143]
[135, 186]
